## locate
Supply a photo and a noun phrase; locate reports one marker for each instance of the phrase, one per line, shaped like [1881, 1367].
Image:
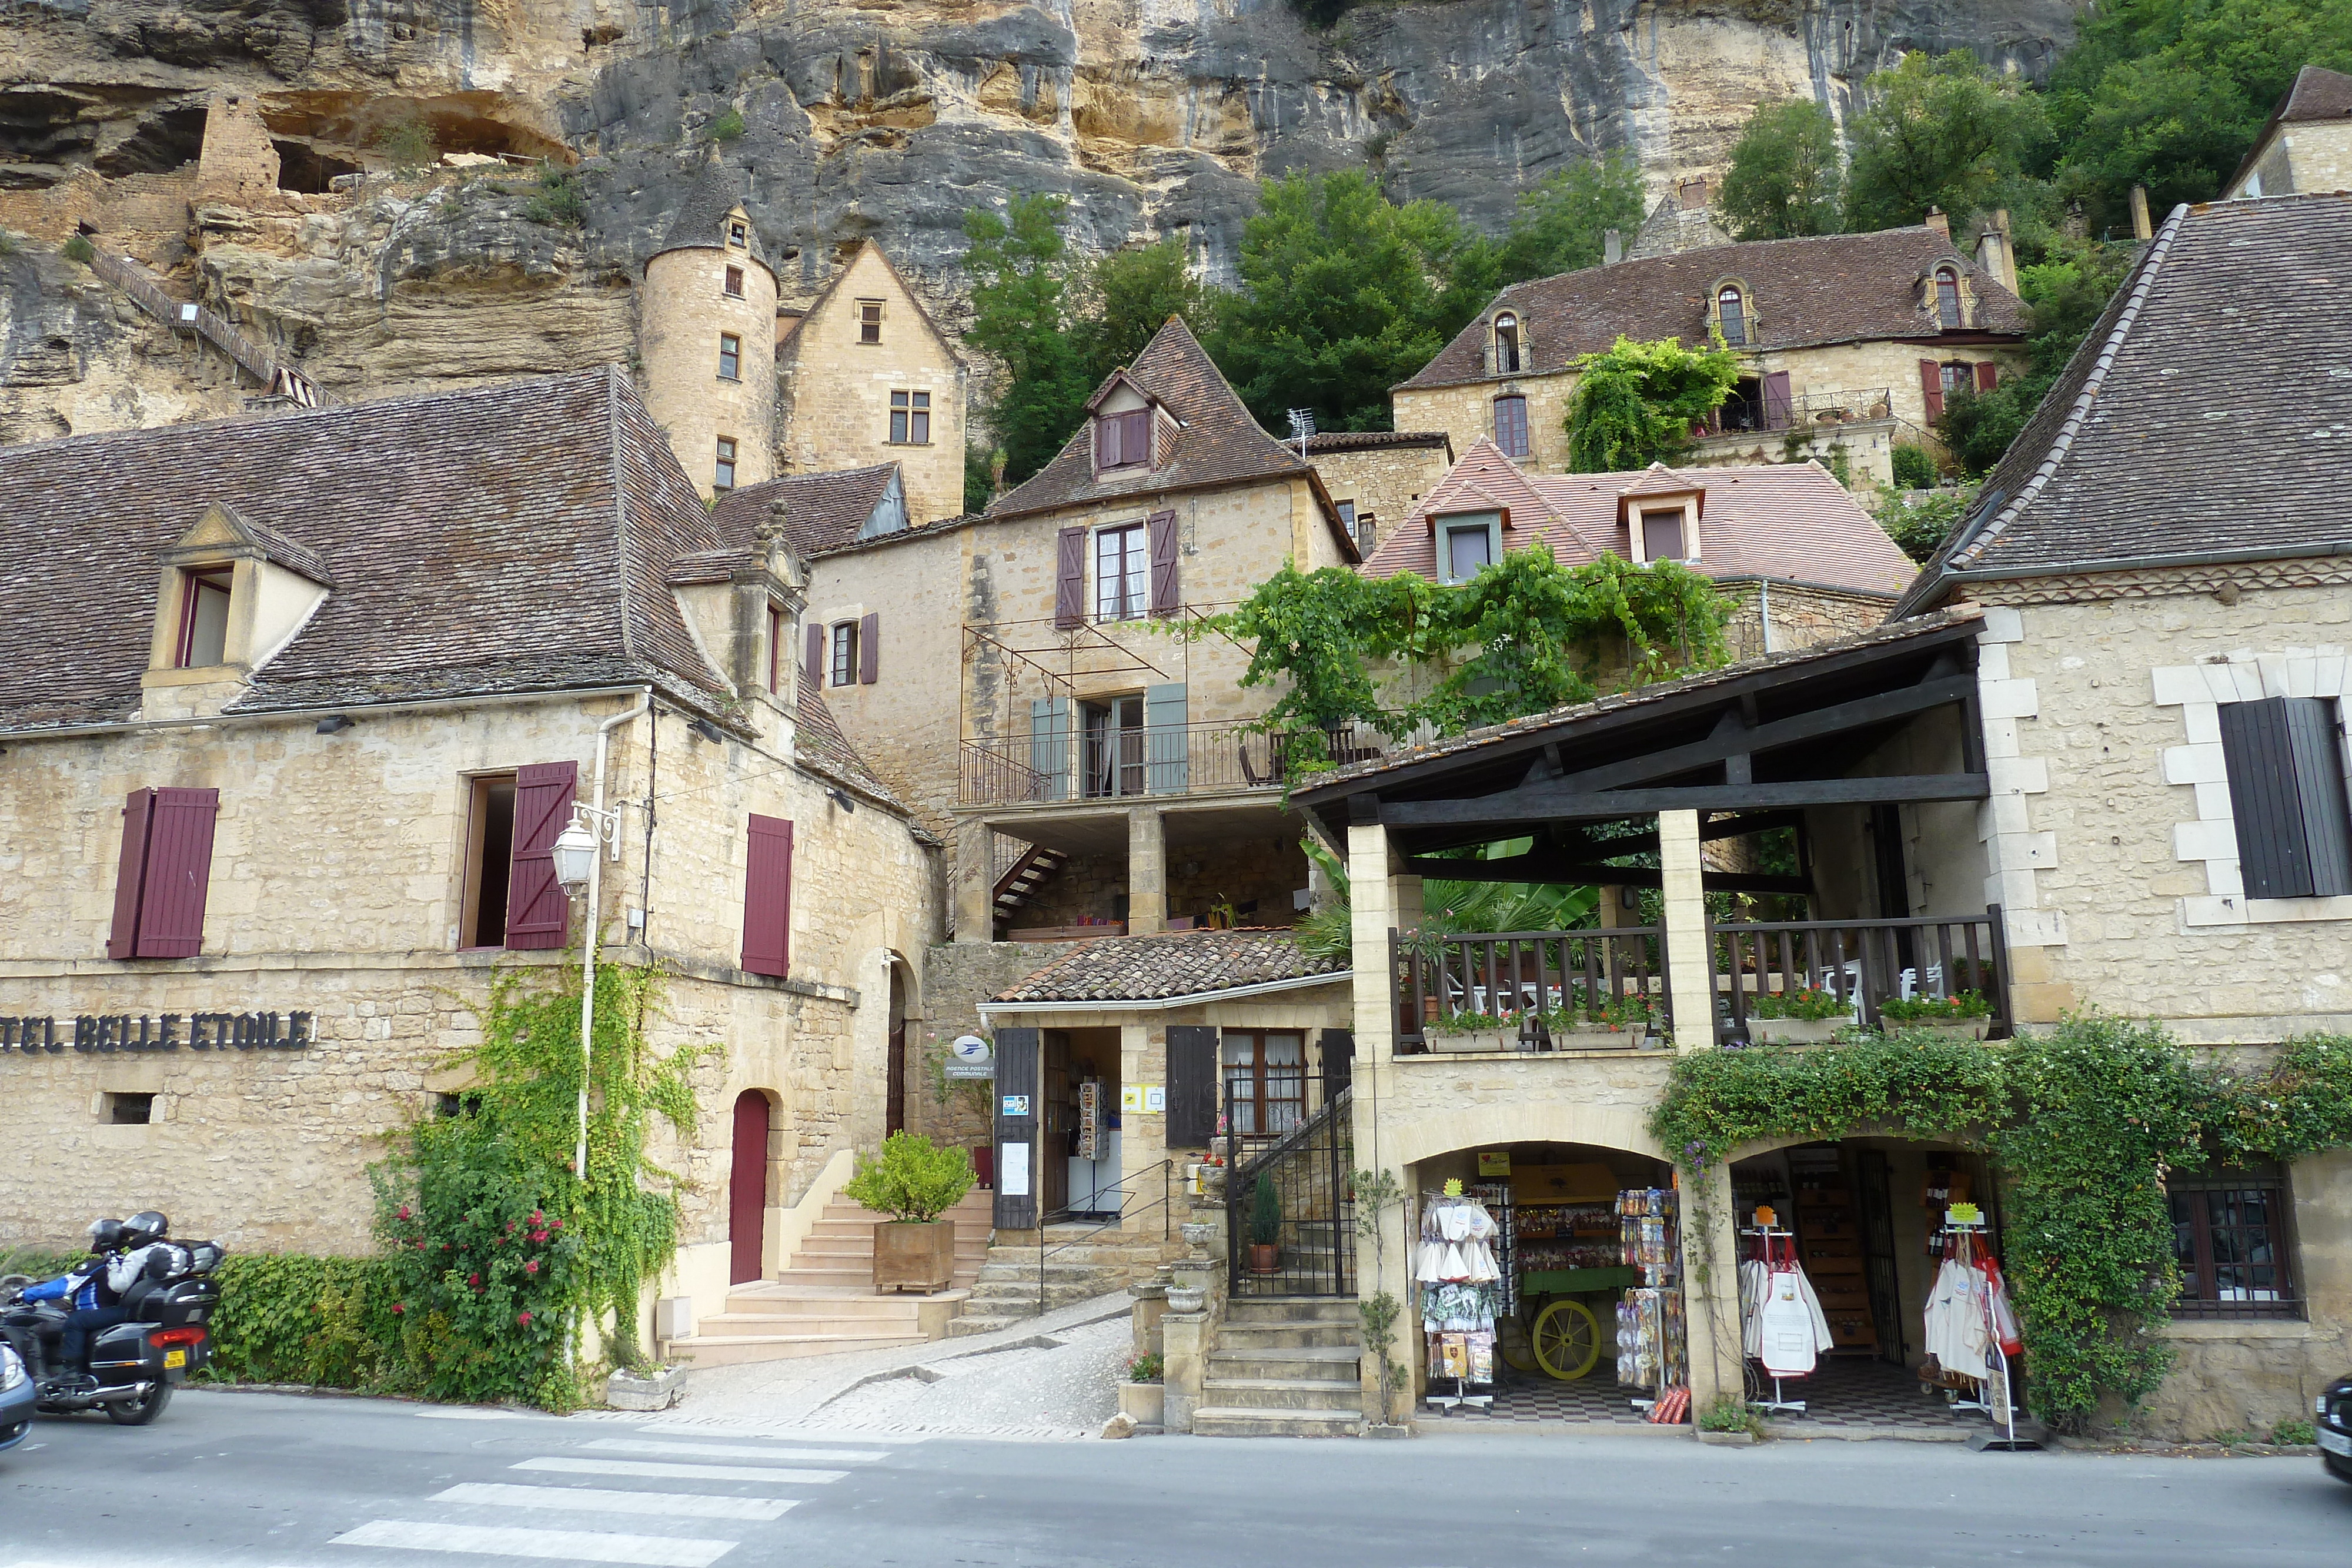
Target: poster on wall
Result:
[1012, 1180]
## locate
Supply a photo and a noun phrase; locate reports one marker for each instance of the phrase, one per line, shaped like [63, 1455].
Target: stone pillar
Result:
[1185, 1355]
[1690, 964]
[1380, 900]
[1147, 873]
[1711, 1292]
[975, 889]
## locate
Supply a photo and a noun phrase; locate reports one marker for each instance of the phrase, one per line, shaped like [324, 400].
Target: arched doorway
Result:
[747, 1188]
[894, 1113]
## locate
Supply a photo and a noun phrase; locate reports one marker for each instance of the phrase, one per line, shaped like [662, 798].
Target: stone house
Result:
[1848, 344]
[706, 334]
[2307, 145]
[1376, 476]
[315, 696]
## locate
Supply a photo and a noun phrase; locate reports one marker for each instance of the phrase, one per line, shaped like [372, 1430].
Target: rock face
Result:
[882, 119]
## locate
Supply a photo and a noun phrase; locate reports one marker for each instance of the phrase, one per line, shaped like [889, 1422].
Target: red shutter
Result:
[1167, 588]
[130, 876]
[1070, 577]
[539, 912]
[179, 870]
[816, 656]
[1931, 388]
[869, 649]
[768, 897]
[1988, 375]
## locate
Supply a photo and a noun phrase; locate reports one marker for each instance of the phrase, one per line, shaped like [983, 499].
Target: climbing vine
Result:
[2084, 1121]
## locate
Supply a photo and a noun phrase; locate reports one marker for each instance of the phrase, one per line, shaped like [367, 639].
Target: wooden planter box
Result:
[1796, 1031]
[1475, 1039]
[1954, 1029]
[908, 1255]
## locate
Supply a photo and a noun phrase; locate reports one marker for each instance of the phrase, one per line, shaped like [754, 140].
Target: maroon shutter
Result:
[1160, 529]
[130, 876]
[1931, 388]
[1778, 403]
[768, 897]
[1070, 577]
[816, 656]
[1135, 446]
[869, 649]
[539, 912]
[179, 870]
[1988, 375]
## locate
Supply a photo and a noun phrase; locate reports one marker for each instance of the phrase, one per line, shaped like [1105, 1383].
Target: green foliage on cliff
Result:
[1785, 176]
[1942, 131]
[1020, 289]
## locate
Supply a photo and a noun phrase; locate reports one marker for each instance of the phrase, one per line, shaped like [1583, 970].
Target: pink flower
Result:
[445, 1246]
[532, 1267]
[475, 1281]
[524, 1319]
[399, 1307]
[555, 1225]
[537, 1217]
[539, 1236]
[404, 1211]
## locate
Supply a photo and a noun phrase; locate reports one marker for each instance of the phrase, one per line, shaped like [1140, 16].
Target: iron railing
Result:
[1312, 1173]
[1540, 986]
[1861, 963]
[1153, 759]
[1165, 1203]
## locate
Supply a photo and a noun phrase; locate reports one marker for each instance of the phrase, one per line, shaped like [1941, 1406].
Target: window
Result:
[164, 874]
[734, 283]
[1367, 533]
[1266, 1082]
[510, 897]
[1122, 574]
[739, 233]
[490, 850]
[1506, 344]
[2230, 1237]
[776, 650]
[730, 358]
[869, 320]
[722, 471]
[2285, 760]
[1465, 549]
[844, 659]
[1661, 535]
[129, 1110]
[1958, 376]
[1732, 311]
[203, 618]
[1123, 440]
[910, 419]
[1948, 298]
[1347, 510]
[1511, 425]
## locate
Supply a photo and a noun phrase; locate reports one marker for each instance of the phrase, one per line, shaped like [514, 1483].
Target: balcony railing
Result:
[1154, 760]
[1801, 412]
[1861, 963]
[1604, 986]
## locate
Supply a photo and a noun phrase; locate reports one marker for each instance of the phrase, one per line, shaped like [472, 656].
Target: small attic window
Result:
[1662, 534]
[1731, 310]
[1123, 440]
[203, 618]
[1506, 344]
[739, 233]
[869, 320]
[1948, 298]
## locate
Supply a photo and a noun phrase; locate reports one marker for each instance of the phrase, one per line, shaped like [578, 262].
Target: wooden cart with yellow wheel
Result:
[1568, 1317]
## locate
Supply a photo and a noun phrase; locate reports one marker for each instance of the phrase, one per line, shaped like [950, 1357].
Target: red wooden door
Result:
[747, 1186]
[894, 1112]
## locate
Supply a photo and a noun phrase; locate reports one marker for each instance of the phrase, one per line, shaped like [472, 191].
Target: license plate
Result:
[2335, 1442]
[172, 1358]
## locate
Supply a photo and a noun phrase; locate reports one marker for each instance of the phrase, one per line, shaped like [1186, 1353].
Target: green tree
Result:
[1785, 179]
[1635, 405]
[1129, 295]
[978, 475]
[1563, 223]
[1941, 131]
[1020, 287]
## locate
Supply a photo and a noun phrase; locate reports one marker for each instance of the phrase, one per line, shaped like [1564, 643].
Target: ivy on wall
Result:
[2084, 1122]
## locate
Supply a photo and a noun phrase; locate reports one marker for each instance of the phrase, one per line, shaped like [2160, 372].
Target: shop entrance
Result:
[1078, 1134]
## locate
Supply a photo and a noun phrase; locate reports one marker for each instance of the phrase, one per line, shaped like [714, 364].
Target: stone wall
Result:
[1384, 482]
[1865, 446]
[1802, 616]
[682, 311]
[2319, 156]
[237, 164]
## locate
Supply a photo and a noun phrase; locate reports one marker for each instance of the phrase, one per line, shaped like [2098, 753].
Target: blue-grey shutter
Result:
[1167, 767]
[1049, 746]
[2287, 797]
[2314, 740]
[1018, 1090]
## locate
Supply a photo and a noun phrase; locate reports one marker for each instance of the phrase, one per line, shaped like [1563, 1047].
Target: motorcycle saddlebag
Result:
[182, 1302]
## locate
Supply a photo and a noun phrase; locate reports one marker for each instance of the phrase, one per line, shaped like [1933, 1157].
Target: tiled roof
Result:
[1786, 521]
[2315, 94]
[504, 538]
[820, 747]
[821, 511]
[2210, 410]
[1181, 964]
[1834, 289]
[701, 222]
[1331, 441]
[279, 550]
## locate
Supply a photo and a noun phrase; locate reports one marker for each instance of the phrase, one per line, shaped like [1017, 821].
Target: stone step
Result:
[989, 1322]
[1283, 1394]
[1291, 1309]
[735, 1349]
[1244, 1421]
[1332, 1362]
[740, 1325]
[1274, 1338]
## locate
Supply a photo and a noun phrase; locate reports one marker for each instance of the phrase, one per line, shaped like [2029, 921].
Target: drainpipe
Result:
[1764, 611]
[588, 921]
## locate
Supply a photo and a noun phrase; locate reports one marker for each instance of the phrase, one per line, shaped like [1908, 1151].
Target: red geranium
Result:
[532, 1267]
[524, 1319]
[475, 1281]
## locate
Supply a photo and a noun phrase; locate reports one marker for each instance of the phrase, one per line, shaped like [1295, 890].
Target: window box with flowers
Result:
[1806, 1016]
[1964, 1016]
[1471, 1032]
[1620, 1024]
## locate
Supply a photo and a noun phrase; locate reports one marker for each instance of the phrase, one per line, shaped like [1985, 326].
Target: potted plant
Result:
[1805, 1016]
[1965, 1016]
[1265, 1227]
[914, 1181]
[1620, 1024]
[1472, 1031]
[1143, 1398]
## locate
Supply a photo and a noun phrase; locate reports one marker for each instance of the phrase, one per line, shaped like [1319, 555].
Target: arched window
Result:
[1948, 298]
[1506, 344]
[1732, 310]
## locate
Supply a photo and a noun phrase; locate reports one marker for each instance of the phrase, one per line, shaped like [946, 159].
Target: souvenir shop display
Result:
[1781, 1325]
[1566, 1266]
[1970, 1328]
[1460, 1285]
[1830, 1227]
[1652, 1343]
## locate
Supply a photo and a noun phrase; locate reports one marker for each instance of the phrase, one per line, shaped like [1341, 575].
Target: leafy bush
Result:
[1265, 1213]
[914, 1181]
[2295, 1434]
[78, 248]
[409, 146]
[728, 127]
[1729, 1413]
[1147, 1369]
[1635, 403]
[1920, 530]
[1915, 469]
[560, 201]
[288, 1317]
[1953, 1008]
[1466, 1023]
[1806, 1002]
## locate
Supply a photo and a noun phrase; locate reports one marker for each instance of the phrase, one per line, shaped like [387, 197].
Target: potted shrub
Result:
[1143, 1398]
[1805, 1016]
[914, 1181]
[1265, 1227]
[1472, 1031]
[1966, 1015]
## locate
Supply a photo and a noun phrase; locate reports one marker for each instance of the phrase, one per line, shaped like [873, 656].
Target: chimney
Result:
[1937, 220]
[1994, 257]
[2141, 227]
[1692, 197]
[1612, 247]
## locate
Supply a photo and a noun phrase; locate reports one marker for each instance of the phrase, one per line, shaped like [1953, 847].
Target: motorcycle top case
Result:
[182, 1304]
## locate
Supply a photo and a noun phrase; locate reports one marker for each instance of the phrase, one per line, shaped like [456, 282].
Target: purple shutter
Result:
[1778, 403]
[1931, 389]
[539, 912]
[1160, 529]
[768, 897]
[130, 876]
[869, 649]
[1135, 446]
[816, 656]
[1070, 577]
[179, 870]
[1988, 375]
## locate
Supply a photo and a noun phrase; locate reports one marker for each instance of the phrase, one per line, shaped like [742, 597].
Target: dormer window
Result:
[1662, 534]
[1731, 310]
[1948, 299]
[1469, 545]
[203, 618]
[734, 283]
[232, 594]
[739, 233]
[1506, 344]
[1123, 440]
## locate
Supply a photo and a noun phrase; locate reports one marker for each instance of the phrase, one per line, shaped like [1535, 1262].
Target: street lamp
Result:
[577, 863]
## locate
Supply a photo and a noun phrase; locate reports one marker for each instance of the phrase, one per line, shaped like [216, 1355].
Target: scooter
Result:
[134, 1364]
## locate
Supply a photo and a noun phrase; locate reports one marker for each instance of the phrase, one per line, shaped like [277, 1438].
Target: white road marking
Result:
[509, 1540]
[596, 1499]
[681, 1472]
[736, 1451]
[784, 1431]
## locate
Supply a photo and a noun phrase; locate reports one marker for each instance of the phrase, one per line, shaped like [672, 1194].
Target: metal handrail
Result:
[1166, 1203]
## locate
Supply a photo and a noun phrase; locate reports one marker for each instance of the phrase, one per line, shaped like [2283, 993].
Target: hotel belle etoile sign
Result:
[169, 1031]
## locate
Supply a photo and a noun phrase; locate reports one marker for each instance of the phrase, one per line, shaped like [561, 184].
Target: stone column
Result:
[1379, 899]
[1690, 962]
[1711, 1292]
[974, 889]
[1147, 873]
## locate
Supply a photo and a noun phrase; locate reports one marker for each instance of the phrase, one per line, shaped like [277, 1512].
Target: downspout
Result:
[1764, 611]
[589, 919]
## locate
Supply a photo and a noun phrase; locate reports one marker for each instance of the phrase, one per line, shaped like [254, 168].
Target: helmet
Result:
[144, 1227]
[105, 1235]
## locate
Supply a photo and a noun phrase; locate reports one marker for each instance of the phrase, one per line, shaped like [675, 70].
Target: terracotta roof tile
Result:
[1181, 964]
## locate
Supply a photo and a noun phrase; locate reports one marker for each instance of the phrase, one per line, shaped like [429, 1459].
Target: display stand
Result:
[2000, 1386]
[1458, 1282]
[1779, 1401]
[1652, 1343]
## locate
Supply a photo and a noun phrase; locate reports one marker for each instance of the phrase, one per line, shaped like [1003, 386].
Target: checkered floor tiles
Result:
[1843, 1392]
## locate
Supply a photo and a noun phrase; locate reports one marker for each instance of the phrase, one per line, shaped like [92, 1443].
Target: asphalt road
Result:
[227, 1480]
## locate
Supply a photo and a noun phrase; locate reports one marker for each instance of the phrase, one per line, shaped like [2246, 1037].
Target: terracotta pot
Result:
[1265, 1258]
[914, 1256]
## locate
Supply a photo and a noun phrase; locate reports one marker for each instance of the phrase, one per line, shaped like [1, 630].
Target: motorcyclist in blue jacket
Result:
[95, 1304]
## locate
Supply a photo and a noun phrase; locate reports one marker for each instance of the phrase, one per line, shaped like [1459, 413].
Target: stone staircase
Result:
[824, 1300]
[1284, 1366]
[1081, 1261]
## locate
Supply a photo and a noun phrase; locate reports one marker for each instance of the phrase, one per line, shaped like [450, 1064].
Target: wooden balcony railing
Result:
[1546, 983]
[1862, 963]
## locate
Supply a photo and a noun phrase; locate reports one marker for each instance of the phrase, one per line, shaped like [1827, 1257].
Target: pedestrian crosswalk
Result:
[754, 1477]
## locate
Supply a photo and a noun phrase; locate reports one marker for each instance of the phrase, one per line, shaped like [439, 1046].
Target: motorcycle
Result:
[133, 1365]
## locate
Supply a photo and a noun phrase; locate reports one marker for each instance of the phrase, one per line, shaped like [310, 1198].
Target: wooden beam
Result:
[1553, 802]
[1555, 872]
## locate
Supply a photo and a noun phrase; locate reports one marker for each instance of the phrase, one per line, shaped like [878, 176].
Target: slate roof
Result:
[1219, 443]
[701, 222]
[498, 539]
[2317, 94]
[1179, 963]
[279, 550]
[1804, 293]
[820, 747]
[2210, 410]
[1786, 521]
[821, 511]
[1329, 441]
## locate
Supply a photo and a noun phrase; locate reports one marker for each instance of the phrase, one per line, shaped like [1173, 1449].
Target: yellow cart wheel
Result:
[1511, 1345]
[1567, 1340]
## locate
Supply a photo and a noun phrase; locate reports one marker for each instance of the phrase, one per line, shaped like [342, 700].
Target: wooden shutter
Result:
[1988, 375]
[1167, 764]
[1191, 1085]
[1018, 1083]
[179, 870]
[1931, 389]
[816, 656]
[539, 912]
[2287, 797]
[768, 897]
[1049, 746]
[1778, 403]
[1167, 588]
[2314, 740]
[130, 876]
[1135, 440]
[1339, 1060]
[869, 649]
[1070, 577]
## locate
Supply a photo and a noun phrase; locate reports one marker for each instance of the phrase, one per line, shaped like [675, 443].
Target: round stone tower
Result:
[707, 335]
